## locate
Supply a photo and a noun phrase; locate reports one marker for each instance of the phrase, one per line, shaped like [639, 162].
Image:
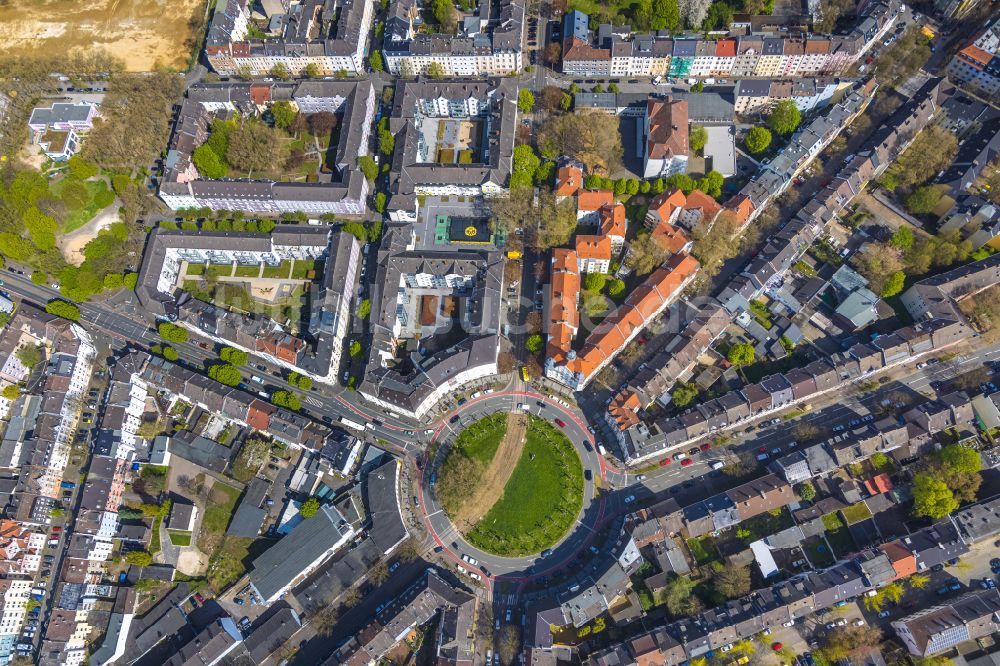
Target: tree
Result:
[693, 12]
[309, 508]
[41, 228]
[566, 102]
[807, 491]
[368, 167]
[14, 247]
[286, 399]
[280, 71]
[893, 285]
[785, 117]
[312, 71]
[684, 395]
[665, 15]
[254, 147]
[379, 573]
[444, 13]
[711, 184]
[697, 138]
[594, 282]
[322, 123]
[731, 582]
[375, 61]
[931, 497]
[435, 70]
[534, 343]
[11, 392]
[679, 597]
[644, 254]
[355, 349]
[525, 101]
[234, 355]
[616, 287]
[283, 113]
[525, 163]
[225, 373]
[923, 200]
[918, 581]
[843, 642]
[741, 353]
[29, 355]
[63, 309]
[139, 558]
[958, 458]
[80, 168]
[758, 139]
[592, 138]
[172, 332]
[930, 152]
[902, 238]
[364, 308]
[208, 163]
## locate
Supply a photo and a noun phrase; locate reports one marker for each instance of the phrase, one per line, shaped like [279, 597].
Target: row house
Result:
[940, 628]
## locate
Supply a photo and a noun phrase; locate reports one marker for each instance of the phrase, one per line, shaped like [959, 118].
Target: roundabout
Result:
[509, 486]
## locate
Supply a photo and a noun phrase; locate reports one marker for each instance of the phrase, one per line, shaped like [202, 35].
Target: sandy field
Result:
[494, 480]
[140, 33]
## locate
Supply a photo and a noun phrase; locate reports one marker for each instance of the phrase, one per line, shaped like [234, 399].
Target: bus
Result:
[524, 373]
[352, 424]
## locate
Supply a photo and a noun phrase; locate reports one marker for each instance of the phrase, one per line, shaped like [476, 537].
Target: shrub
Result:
[63, 309]
[309, 508]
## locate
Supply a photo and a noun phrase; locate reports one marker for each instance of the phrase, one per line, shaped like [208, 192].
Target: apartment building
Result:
[331, 36]
[607, 52]
[414, 276]
[665, 127]
[434, 156]
[808, 94]
[645, 303]
[487, 43]
[169, 254]
[341, 191]
[939, 628]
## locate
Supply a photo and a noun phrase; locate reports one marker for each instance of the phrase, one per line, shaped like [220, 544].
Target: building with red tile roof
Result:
[666, 133]
[593, 254]
[563, 314]
[672, 239]
[614, 225]
[742, 208]
[699, 208]
[878, 484]
[903, 560]
[589, 204]
[645, 303]
[624, 408]
[665, 207]
[569, 180]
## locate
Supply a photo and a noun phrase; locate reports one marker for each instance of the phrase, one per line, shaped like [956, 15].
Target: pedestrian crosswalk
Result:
[313, 401]
[505, 600]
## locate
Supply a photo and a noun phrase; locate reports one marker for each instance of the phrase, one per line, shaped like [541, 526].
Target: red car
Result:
[199, 598]
[762, 449]
[777, 647]
[664, 462]
[686, 462]
[560, 423]
[706, 446]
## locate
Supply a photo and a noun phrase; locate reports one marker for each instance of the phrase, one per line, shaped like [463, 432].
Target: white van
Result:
[718, 464]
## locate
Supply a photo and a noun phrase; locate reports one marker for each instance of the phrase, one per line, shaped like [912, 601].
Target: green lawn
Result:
[468, 458]
[837, 535]
[818, 552]
[279, 271]
[302, 268]
[154, 541]
[179, 538]
[195, 270]
[220, 510]
[540, 501]
[702, 549]
[76, 218]
[248, 271]
[856, 513]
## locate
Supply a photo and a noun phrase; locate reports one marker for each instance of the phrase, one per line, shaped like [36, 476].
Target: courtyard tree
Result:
[280, 71]
[322, 123]
[684, 394]
[807, 491]
[283, 113]
[931, 497]
[923, 200]
[645, 254]
[741, 353]
[435, 70]
[309, 508]
[534, 343]
[785, 117]
[594, 282]
[697, 138]
[758, 139]
[731, 582]
[375, 61]
[254, 147]
[893, 285]
[616, 287]
[525, 101]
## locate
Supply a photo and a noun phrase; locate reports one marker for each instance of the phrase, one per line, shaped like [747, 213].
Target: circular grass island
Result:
[512, 484]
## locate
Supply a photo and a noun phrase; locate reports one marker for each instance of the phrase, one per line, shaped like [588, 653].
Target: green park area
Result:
[540, 501]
